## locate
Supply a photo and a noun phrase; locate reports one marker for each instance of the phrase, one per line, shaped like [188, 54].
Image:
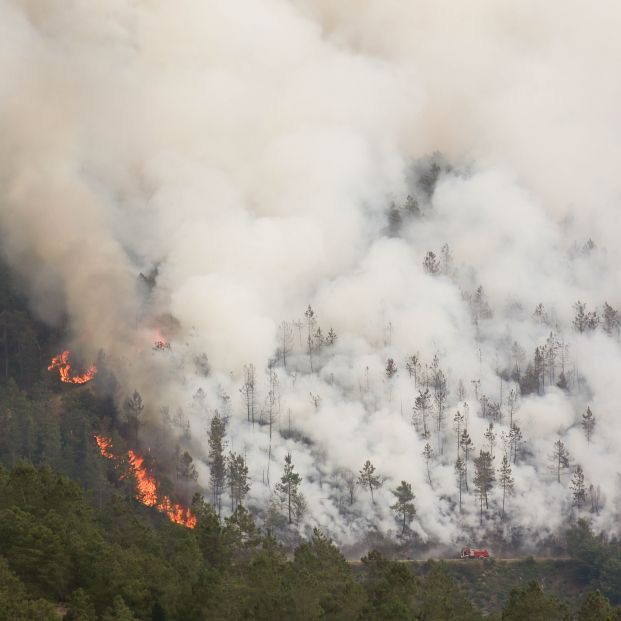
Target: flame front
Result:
[104, 445]
[61, 362]
[146, 487]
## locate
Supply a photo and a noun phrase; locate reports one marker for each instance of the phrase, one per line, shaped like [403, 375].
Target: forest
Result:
[79, 539]
[299, 301]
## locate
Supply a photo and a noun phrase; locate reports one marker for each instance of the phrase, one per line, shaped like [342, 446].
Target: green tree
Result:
[460, 471]
[391, 590]
[404, 507]
[588, 423]
[506, 481]
[289, 491]
[186, 470]
[467, 446]
[422, 405]
[578, 488]
[442, 599]
[559, 459]
[484, 478]
[216, 459]
[237, 479]
[119, 611]
[133, 411]
[322, 582]
[80, 607]
[367, 479]
[311, 320]
[16, 604]
[428, 454]
[594, 607]
[532, 604]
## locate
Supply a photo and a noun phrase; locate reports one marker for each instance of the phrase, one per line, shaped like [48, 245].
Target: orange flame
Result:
[61, 362]
[161, 342]
[146, 487]
[104, 445]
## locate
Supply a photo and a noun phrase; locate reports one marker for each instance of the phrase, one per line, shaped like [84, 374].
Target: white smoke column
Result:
[251, 154]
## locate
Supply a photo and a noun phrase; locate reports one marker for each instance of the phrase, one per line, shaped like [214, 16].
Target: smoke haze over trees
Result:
[308, 233]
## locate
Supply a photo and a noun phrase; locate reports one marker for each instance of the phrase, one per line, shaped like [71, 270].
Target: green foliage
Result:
[533, 604]
[80, 607]
[119, 611]
[404, 507]
[442, 599]
[15, 602]
[289, 492]
[73, 538]
[594, 607]
[322, 579]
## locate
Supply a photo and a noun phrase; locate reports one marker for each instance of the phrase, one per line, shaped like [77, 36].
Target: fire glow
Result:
[146, 487]
[161, 343]
[61, 362]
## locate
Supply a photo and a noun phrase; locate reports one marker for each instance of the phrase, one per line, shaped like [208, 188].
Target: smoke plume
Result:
[245, 159]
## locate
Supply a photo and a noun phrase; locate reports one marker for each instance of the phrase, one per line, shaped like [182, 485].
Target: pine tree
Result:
[467, 446]
[422, 404]
[412, 365]
[484, 478]
[272, 410]
[319, 339]
[447, 259]
[331, 337]
[237, 479]
[515, 440]
[248, 392]
[595, 495]
[588, 423]
[350, 482]
[133, 409]
[460, 471]
[428, 454]
[506, 481]
[584, 320]
[391, 368]
[458, 421]
[285, 338]
[404, 507]
[611, 321]
[368, 479]
[490, 438]
[216, 460]
[186, 470]
[559, 459]
[439, 396]
[289, 491]
[577, 488]
[311, 320]
[431, 264]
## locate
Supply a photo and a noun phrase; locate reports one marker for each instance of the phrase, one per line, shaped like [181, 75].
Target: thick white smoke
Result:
[250, 152]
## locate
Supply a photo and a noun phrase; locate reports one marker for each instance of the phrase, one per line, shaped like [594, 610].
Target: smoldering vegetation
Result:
[382, 235]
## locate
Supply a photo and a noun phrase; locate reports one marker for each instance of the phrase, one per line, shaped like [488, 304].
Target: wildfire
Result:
[160, 343]
[61, 362]
[104, 445]
[146, 485]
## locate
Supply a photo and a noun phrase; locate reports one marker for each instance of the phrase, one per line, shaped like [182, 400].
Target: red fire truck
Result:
[474, 553]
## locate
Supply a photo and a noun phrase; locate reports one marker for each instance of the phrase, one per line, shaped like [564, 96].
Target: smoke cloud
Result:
[250, 154]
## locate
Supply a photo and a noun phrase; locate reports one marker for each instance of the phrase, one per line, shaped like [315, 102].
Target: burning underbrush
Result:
[61, 362]
[146, 485]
